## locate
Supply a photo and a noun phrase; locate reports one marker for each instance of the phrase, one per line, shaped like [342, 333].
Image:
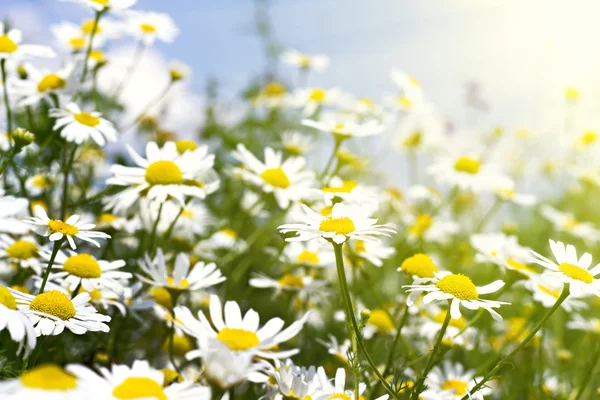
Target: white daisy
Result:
[164, 174]
[467, 172]
[72, 228]
[288, 180]
[46, 381]
[11, 210]
[459, 289]
[38, 184]
[430, 228]
[507, 193]
[293, 57]
[337, 349]
[100, 5]
[23, 252]
[350, 192]
[69, 36]
[12, 49]
[566, 222]
[584, 324]
[296, 382]
[240, 334]
[296, 143]
[453, 382]
[201, 275]
[348, 129]
[40, 84]
[502, 250]
[18, 325]
[337, 390]
[373, 252]
[52, 311]
[568, 269]
[314, 98]
[309, 254]
[272, 95]
[150, 26]
[421, 131]
[77, 126]
[304, 285]
[345, 222]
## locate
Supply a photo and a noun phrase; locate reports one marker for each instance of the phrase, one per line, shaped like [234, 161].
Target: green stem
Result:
[8, 159]
[6, 101]
[433, 355]
[578, 394]
[154, 228]
[90, 45]
[356, 334]
[55, 249]
[76, 291]
[67, 161]
[499, 364]
[338, 143]
[174, 295]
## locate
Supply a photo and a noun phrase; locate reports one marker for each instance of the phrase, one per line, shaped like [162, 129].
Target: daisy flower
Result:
[100, 5]
[52, 311]
[337, 390]
[566, 222]
[296, 382]
[150, 26]
[86, 270]
[419, 266]
[295, 143]
[11, 208]
[45, 381]
[308, 254]
[568, 269]
[314, 98]
[293, 57]
[58, 230]
[69, 36]
[433, 321]
[23, 252]
[345, 222]
[508, 193]
[453, 382]
[350, 192]
[77, 126]
[201, 275]
[164, 174]
[288, 180]
[179, 71]
[584, 324]
[40, 84]
[502, 250]
[18, 325]
[337, 349]
[430, 228]
[38, 184]
[303, 284]
[140, 381]
[379, 322]
[12, 49]
[457, 288]
[237, 333]
[373, 252]
[421, 131]
[272, 95]
[346, 130]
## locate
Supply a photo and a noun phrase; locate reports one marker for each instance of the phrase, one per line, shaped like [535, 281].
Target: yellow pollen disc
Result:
[229, 233]
[97, 55]
[420, 265]
[22, 250]
[405, 102]
[147, 28]
[304, 61]
[276, 177]
[163, 173]
[588, 138]
[238, 339]
[182, 284]
[459, 387]
[340, 226]
[318, 95]
[48, 377]
[77, 43]
[7, 45]
[413, 140]
[88, 26]
[290, 280]
[394, 192]
[62, 227]
[467, 165]
[339, 396]
[187, 213]
[460, 323]
[170, 376]
[307, 257]
[273, 89]
[575, 272]
[421, 225]
[360, 246]
[381, 320]
[326, 211]
[41, 181]
[181, 345]
[51, 82]
[7, 299]
[507, 193]
[294, 149]
[347, 187]
[367, 102]
[139, 388]
[571, 94]
[95, 295]
[54, 303]
[459, 286]
[185, 145]
[548, 291]
[87, 119]
[106, 218]
[83, 266]
[162, 297]
[570, 223]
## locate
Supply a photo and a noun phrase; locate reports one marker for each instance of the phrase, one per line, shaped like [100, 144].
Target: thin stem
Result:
[67, 161]
[6, 102]
[490, 374]
[55, 249]
[174, 295]
[433, 354]
[339, 261]
[338, 143]
[578, 394]
[154, 228]
[8, 159]
[90, 45]
[488, 215]
[76, 291]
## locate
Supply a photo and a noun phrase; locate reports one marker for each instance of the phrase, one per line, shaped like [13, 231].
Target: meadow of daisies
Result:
[269, 256]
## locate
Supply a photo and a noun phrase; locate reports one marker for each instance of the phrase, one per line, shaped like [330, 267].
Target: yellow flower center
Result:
[88, 26]
[571, 94]
[506, 193]
[460, 323]
[518, 266]
[422, 223]
[276, 177]
[294, 149]
[307, 257]
[187, 213]
[459, 387]
[41, 181]
[570, 223]
[420, 265]
[83, 266]
[273, 89]
[238, 339]
[147, 28]
[346, 187]
[7, 45]
[139, 388]
[182, 283]
[229, 233]
[185, 145]
[77, 43]
[162, 297]
[413, 140]
[326, 211]
[7, 299]
[404, 102]
[467, 165]
[56, 225]
[22, 250]
[170, 376]
[163, 173]
[360, 246]
[181, 345]
[104, 3]
[339, 396]
[317, 95]
[381, 320]
[87, 119]
[459, 286]
[290, 280]
[51, 82]
[97, 55]
[48, 377]
[340, 226]
[575, 272]
[54, 303]
[95, 295]
[588, 138]
[106, 218]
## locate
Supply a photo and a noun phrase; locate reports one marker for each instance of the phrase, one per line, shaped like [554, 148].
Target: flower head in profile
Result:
[348, 129]
[457, 288]
[44, 381]
[568, 269]
[451, 381]
[150, 26]
[12, 49]
[77, 126]
[567, 222]
[23, 252]
[345, 222]
[419, 265]
[296, 382]
[18, 324]
[71, 228]
[41, 83]
[337, 390]
[316, 62]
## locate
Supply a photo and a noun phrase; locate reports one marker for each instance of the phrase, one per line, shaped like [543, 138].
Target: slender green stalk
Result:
[55, 249]
[578, 394]
[9, 125]
[154, 228]
[8, 159]
[355, 333]
[76, 291]
[433, 355]
[90, 45]
[336, 147]
[499, 364]
[67, 164]
[174, 295]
